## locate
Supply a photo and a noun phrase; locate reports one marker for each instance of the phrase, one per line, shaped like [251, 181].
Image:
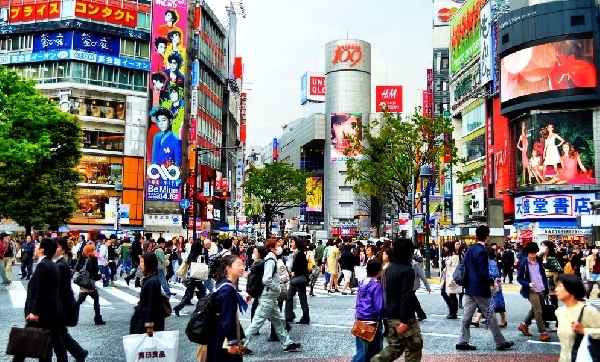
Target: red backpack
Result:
[596, 267]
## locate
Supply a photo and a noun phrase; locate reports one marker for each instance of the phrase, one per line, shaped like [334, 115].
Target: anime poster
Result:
[555, 148]
[167, 78]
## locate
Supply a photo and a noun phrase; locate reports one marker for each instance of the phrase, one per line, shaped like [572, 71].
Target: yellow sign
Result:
[90, 158]
[314, 194]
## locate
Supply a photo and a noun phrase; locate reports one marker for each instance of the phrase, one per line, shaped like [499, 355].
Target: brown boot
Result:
[524, 329]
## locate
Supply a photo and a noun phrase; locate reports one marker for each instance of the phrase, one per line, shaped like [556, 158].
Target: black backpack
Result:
[255, 286]
[460, 275]
[213, 264]
[202, 326]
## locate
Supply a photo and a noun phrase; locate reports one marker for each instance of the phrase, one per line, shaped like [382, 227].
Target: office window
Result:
[143, 20]
[445, 62]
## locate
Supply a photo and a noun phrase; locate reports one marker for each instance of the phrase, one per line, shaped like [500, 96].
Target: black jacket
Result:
[65, 292]
[399, 299]
[195, 252]
[91, 267]
[135, 251]
[300, 264]
[42, 294]
[148, 311]
[347, 259]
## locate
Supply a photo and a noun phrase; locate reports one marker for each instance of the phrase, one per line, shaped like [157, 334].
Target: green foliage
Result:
[39, 153]
[394, 150]
[277, 186]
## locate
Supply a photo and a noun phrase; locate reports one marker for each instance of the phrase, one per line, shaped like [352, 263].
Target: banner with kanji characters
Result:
[105, 13]
[34, 12]
[166, 96]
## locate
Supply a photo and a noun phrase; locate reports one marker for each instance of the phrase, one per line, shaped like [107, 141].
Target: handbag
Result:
[70, 313]
[199, 269]
[548, 310]
[165, 305]
[82, 278]
[28, 342]
[161, 346]
[364, 330]
[182, 270]
[585, 348]
[299, 281]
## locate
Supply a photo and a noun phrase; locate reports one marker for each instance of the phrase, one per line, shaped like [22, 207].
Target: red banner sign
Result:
[389, 97]
[34, 12]
[106, 13]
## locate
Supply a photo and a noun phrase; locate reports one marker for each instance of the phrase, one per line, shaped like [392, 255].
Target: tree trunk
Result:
[27, 230]
[268, 221]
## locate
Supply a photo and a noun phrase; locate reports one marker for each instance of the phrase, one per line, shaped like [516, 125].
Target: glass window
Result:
[67, 8]
[91, 206]
[474, 148]
[100, 140]
[143, 20]
[445, 62]
[5, 44]
[16, 43]
[128, 47]
[474, 119]
[77, 70]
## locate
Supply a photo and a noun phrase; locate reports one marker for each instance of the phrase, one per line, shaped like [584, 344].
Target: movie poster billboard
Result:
[555, 148]
[345, 126]
[167, 79]
[314, 194]
[556, 66]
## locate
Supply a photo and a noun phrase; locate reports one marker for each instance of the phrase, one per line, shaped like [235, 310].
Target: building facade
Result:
[347, 102]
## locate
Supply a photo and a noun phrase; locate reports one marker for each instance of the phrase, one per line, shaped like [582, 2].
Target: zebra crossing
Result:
[114, 297]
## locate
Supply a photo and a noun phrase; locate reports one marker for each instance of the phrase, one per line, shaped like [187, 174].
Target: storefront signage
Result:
[90, 158]
[75, 24]
[487, 52]
[106, 13]
[75, 55]
[194, 102]
[465, 34]
[553, 206]
[462, 89]
[92, 192]
[567, 231]
[78, 40]
[351, 54]
[34, 12]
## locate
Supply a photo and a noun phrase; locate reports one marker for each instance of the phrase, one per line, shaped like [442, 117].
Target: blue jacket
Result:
[478, 273]
[524, 279]
[168, 150]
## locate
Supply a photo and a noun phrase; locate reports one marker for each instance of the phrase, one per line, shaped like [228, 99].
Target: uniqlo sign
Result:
[388, 96]
[34, 12]
[105, 13]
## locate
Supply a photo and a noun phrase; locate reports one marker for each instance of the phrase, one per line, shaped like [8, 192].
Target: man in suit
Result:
[67, 299]
[42, 306]
[478, 291]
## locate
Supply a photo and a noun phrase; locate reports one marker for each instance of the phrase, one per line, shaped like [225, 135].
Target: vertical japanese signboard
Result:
[167, 57]
[486, 62]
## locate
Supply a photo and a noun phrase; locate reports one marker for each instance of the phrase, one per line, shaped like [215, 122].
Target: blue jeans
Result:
[126, 266]
[327, 277]
[209, 285]
[105, 271]
[366, 350]
[163, 281]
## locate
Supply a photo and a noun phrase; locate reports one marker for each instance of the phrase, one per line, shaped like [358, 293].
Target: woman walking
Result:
[89, 262]
[448, 287]
[148, 315]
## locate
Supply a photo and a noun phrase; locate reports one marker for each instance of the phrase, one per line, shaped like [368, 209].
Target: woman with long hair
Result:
[551, 156]
[315, 271]
[523, 145]
[148, 315]
[89, 262]
[448, 287]
[228, 330]
[570, 291]
[568, 162]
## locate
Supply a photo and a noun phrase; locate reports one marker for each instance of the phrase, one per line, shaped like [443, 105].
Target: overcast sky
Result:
[279, 40]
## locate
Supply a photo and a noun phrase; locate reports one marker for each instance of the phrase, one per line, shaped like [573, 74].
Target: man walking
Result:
[478, 291]
[403, 331]
[4, 245]
[27, 251]
[508, 263]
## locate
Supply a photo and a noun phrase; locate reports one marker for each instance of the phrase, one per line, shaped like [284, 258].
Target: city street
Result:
[326, 339]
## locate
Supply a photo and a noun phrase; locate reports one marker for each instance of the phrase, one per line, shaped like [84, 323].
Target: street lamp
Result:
[119, 190]
[427, 178]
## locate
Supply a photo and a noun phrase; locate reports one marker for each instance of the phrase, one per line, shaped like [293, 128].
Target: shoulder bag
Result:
[578, 353]
[82, 277]
[364, 330]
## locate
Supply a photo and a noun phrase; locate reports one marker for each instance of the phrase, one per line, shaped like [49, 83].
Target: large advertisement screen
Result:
[345, 126]
[165, 131]
[552, 67]
[555, 148]
[314, 194]
[465, 32]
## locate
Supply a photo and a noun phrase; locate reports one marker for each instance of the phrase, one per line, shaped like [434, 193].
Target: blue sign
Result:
[553, 206]
[53, 41]
[304, 89]
[184, 204]
[96, 43]
[75, 55]
[195, 73]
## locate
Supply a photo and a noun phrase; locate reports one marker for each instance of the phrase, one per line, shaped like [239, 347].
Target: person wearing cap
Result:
[3, 249]
[67, 299]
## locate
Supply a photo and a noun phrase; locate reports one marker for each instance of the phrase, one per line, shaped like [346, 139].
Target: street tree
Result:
[277, 187]
[393, 149]
[39, 154]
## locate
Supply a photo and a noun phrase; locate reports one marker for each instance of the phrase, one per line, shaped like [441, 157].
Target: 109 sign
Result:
[348, 53]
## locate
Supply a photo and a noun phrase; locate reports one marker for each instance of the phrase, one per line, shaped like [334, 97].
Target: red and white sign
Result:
[312, 87]
[426, 104]
[443, 10]
[388, 97]
[243, 98]
[34, 12]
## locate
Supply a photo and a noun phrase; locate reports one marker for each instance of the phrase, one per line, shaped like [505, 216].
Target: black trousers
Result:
[418, 309]
[95, 296]
[71, 345]
[27, 268]
[189, 293]
[450, 299]
[507, 271]
[56, 344]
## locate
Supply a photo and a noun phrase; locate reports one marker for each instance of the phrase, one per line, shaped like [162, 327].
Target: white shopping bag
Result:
[199, 269]
[161, 347]
[360, 272]
[583, 353]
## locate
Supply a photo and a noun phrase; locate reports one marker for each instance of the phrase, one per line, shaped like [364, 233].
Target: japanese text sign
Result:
[388, 96]
[486, 62]
[52, 41]
[465, 34]
[553, 206]
[79, 40]
[34, 12]
[106, 13]
[46, 56]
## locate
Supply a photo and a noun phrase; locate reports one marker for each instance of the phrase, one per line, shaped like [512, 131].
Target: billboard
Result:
[34, 12]
[443, 10]
[389, 96]
[314, 194]
[344, 124]
[165, 146]
[561, 66]
[487, 49]
[78, 40]
[555, 148]
[312, 87]
[464, 34]
[107, 13]
[553, 206]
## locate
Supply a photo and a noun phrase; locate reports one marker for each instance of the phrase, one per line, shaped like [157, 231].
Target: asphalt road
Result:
[326, 339]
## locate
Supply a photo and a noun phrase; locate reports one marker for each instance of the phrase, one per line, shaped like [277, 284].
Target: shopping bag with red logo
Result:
[160, 347]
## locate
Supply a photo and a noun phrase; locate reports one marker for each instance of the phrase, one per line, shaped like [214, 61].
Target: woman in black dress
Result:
[148, 315]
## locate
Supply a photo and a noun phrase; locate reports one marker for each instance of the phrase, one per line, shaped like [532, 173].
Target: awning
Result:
[90, 227]
[567, 223]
